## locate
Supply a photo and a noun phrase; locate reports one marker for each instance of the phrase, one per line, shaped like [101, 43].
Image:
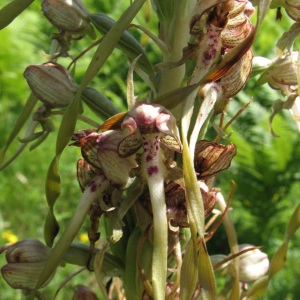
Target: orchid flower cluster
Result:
[149, 173]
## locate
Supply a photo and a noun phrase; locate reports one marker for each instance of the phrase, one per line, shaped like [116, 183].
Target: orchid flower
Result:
[150, 127]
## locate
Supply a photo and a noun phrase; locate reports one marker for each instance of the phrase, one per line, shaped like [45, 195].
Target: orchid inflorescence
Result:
[149, 173]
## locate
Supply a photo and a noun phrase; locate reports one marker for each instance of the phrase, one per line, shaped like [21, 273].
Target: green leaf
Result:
[10, 11]
[294, 224]
[189, 271]
[52, 189]
[206, 274]
[127, 43]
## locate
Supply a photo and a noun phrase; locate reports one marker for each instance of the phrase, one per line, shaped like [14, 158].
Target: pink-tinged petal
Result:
[130, 145]
[145, 114]
[166, 124]
[109, 140]
[129, 125]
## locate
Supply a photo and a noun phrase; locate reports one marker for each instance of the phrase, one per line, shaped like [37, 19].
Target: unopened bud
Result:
[253, 264]
[26, 260]
[212, 158]
[68, 16]
[83, 293]
[51, 83]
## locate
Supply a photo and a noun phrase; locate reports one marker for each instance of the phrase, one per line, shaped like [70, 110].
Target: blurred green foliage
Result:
[265, 170]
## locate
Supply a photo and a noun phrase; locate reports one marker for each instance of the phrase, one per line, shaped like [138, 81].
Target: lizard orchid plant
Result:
[148, 175]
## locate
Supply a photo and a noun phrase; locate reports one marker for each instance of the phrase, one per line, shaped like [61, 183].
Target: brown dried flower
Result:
[212, 158]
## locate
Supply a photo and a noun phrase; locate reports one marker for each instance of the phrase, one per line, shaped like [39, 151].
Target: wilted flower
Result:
[176, 203]
[51, 83]
[67, 16]
[282, 73]
[223, 26]
[253, 264]
[26, 260]
[212, 158]
[101, 152]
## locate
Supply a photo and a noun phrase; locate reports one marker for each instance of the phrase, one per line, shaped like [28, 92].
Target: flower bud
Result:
[253, 264]
[29, 250]
[212, 158]
[68, 16]
[26, 260]
[51, 83]
[83, 293]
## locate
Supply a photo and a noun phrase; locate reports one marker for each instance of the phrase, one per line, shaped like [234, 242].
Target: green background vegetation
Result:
[265, 170]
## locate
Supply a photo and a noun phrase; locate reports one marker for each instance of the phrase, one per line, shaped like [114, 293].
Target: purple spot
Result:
[156, 147]
[93, 186]
[149, 158]
[152, 170]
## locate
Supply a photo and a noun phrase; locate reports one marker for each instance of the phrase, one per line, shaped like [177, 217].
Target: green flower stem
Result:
[154, 170]
[94, 191]
[233, 244]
